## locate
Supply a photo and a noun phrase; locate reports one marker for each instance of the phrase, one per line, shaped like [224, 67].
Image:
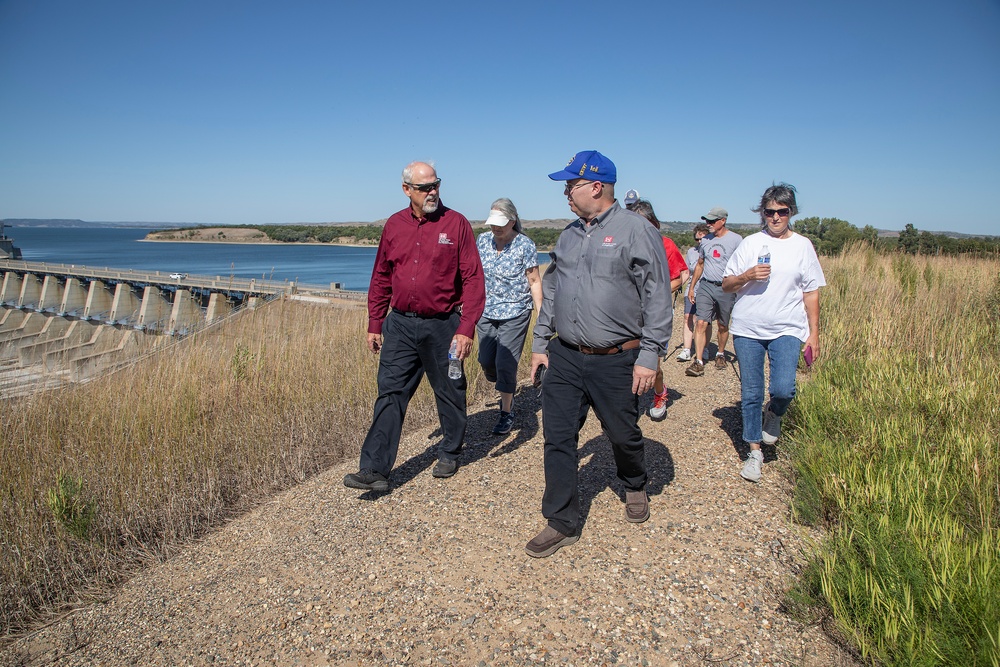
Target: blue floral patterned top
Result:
[507, 291]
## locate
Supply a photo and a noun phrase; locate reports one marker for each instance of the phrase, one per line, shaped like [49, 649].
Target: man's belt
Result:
[438, 316]
[614, 349]
[719, 283]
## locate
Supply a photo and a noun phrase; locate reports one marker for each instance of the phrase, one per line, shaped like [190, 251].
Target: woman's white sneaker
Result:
[751, 469]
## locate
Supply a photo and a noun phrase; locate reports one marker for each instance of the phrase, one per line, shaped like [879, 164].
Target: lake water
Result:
[121, 248]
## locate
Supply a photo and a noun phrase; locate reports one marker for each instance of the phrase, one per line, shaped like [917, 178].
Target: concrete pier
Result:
[186, 313]
[99, 301]
[218, 307]
[74, 298]
[51, 295]
[10, 288]
[154, 311]
[125, 306]
[31, 291]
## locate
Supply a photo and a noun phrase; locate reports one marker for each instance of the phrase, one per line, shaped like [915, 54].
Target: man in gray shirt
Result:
[712, 303]
[605, 319]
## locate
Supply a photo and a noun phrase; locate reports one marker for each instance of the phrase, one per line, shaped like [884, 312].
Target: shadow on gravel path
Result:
[599, 471]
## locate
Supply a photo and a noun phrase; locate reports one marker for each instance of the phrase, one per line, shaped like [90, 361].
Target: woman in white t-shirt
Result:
[776, 276]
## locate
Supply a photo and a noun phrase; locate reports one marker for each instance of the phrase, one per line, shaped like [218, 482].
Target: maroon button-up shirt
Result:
[427, 266]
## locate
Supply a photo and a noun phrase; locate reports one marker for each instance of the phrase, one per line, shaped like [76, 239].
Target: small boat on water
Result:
[7, 249]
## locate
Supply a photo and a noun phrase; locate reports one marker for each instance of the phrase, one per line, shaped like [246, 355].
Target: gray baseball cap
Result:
[716, 213]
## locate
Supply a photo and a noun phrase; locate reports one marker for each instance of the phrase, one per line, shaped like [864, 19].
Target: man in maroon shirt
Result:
[427, 290]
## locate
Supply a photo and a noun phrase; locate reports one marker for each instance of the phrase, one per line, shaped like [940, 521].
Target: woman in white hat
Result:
[513, 285]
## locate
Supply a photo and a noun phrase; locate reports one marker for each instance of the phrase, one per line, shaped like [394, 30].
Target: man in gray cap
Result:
[631, 197]
[605, 319]
[712, 303]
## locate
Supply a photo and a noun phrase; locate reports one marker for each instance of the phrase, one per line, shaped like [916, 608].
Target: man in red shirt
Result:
[427, 291]
[678, 275]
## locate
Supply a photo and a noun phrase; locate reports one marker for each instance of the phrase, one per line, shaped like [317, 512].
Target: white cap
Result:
[497, 219]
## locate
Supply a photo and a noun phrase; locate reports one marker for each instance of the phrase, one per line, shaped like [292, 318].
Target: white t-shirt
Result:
[768, 309]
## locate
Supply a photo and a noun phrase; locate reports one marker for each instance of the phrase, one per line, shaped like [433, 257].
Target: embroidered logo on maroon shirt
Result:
[443, 239]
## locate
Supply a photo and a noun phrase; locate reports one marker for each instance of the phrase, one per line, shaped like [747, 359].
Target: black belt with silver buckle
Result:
[438, 316]
[719, 283]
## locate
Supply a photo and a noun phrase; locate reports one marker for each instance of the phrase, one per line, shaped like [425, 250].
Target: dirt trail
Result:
[434, 573]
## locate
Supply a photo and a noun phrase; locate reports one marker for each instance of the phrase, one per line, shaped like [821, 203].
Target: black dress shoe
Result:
[445, 468]
[367, 479]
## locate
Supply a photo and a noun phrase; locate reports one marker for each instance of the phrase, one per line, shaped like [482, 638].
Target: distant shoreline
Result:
[234, 236]
[254, 242]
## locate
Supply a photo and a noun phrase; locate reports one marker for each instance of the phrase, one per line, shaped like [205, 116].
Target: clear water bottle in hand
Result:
[454, 363]
[764, 258]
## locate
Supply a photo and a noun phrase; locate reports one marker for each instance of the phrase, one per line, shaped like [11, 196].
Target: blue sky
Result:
[881, 113]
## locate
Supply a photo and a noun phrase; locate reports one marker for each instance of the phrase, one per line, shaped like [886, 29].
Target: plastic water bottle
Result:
[454, 363]
[764, 258]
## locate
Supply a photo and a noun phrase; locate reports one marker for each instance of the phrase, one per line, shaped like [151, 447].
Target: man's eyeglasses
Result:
[781, 212]
[426, 187]
[568, 190]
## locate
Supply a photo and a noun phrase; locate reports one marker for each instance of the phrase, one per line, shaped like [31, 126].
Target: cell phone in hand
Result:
[539, 374]
[808, 356]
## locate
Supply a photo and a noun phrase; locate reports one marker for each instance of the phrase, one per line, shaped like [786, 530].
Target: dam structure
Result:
[65, 323]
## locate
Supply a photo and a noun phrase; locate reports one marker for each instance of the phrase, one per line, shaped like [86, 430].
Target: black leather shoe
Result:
[445, 468]
[367, 479]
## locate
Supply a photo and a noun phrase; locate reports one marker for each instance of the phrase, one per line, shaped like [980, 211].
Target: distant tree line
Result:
[361, 234]
[829, 236]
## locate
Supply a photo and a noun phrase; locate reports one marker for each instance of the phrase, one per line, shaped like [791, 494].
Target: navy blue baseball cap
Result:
[590, 165]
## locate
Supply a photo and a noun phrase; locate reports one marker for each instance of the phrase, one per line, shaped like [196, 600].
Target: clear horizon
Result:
[229, 112]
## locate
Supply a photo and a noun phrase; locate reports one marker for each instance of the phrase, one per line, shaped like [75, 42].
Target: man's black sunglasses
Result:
[426, 187]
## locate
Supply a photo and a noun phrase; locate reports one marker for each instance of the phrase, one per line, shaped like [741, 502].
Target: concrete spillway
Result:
[65, 323]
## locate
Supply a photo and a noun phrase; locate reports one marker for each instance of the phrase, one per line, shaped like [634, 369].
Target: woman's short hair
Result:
[701, 227]
[645, 209]
[783, 193]
[507, 207]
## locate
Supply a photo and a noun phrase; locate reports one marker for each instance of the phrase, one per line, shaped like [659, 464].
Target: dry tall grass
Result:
[898, 453]
[100, 476]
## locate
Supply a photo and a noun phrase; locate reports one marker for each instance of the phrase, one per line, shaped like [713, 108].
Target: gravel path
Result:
[434, 572]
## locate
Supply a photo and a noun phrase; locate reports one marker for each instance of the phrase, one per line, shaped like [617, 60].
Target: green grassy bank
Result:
[897, 454]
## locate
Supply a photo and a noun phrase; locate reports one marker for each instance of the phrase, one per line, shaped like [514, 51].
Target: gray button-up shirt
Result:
[606, 284]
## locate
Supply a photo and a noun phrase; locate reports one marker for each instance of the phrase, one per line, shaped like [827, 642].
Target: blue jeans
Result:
[783, 353]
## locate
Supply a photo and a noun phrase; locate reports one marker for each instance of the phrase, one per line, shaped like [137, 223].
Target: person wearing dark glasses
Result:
[711, 302]
[605, 319]
[426, 294]
[776, 277]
